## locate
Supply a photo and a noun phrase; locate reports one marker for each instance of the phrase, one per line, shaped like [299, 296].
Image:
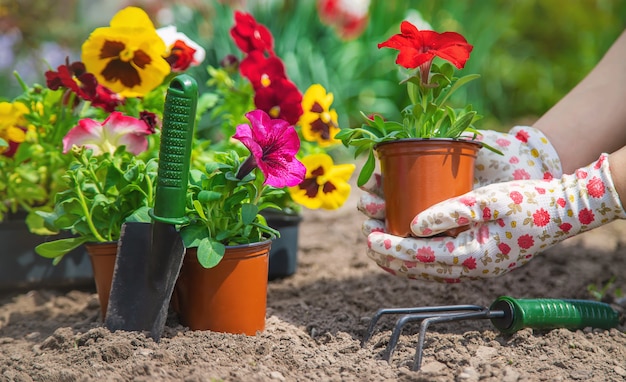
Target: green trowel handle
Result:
[174, 154]
[552, 313]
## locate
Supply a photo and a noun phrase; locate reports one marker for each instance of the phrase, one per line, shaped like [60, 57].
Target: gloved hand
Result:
[527, 154]
[509, 223]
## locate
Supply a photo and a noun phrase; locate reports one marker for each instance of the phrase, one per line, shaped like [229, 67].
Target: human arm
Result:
[591, 118]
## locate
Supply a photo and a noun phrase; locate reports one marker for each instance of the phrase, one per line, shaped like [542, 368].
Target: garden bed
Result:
[316, 319]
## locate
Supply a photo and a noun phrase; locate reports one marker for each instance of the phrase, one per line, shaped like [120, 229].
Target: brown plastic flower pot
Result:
[418, 173]
[230, 297]
[102, 257]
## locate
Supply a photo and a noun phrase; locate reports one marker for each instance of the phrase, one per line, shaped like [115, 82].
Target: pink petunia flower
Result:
[117, 130]
[273, 145]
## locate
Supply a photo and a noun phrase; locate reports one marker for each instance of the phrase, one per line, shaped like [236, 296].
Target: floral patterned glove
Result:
[509, 223]
[527, 155]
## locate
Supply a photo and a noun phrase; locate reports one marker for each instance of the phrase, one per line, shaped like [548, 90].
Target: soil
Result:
[316, 320]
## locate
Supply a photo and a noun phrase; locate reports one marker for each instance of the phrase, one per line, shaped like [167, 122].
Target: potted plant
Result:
[428, 156]
[222, 285]
[259, 80]
[44, 121]
[104, 190]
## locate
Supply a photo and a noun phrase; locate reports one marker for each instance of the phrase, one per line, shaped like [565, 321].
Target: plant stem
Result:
[86, 211]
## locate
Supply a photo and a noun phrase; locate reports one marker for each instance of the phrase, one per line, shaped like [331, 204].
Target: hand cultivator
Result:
[507, 314]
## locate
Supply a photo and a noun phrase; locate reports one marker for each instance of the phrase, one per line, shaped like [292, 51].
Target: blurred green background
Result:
[529, 52]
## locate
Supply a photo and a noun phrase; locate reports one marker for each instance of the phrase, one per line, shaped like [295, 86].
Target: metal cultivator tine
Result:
[427, 315]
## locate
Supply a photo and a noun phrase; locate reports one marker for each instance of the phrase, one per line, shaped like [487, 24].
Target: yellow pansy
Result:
[127, 56]
[12, 123]
[325, 184]
[318, 121]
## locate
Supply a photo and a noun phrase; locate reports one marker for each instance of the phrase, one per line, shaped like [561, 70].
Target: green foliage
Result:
[223, 209]
[103, 192]
[600, 291]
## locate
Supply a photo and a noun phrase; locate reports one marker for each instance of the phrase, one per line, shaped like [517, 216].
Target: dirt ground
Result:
[316, 320]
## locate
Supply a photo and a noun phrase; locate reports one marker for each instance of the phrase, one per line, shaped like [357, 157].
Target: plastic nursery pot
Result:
[230, 297]
[102, 257]
[284, 252]
[21, 268]
[418, 173]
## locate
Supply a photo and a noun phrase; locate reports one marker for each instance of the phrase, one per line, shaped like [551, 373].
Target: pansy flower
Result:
[250, 35]
[182, 52]
[12, 126]
[325, 185]
[281, 99]
[318, 120]
[273, 145]
[117, 130]
[127, 56]
[76, 79]
[261, 71]
[419, 48]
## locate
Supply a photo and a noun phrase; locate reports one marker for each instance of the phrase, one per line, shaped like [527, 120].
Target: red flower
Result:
[348, 20]
[467, 200]
[565, 227]
[540, 190]
[470, 263]
[181, 56]
[522, 136]
[520, 174]
[595, 187]
[262, 71]
[281, 99]
[425, 255]
[516, 197]
[421, 47]
[504, 248]
[486, 213]
[75, 78]
[67, 76]
[585, 216]
[581, 174]
[387, 243]
[561, 202]
[525, 241]
[541, 217]
[250, 35]
[106, 99]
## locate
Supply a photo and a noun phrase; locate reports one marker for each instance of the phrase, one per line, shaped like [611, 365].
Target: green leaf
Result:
[193, 234]
[210, 253]
[367, 170]
[58, 248]
[248, 213]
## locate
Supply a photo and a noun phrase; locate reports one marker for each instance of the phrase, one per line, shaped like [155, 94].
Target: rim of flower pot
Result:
[435, 140]
[256, 243]
[286, 216]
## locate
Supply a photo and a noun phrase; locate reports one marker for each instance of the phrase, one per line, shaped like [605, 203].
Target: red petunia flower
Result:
[281, 99]
[419, 48]
[250, 35]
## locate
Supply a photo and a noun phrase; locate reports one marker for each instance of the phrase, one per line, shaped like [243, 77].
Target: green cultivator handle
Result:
[174, 155]
[552, 313]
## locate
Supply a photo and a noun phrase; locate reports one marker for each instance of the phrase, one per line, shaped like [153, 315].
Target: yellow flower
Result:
[318, 121]
[12, 123]
[325, 184]
[127, 56]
